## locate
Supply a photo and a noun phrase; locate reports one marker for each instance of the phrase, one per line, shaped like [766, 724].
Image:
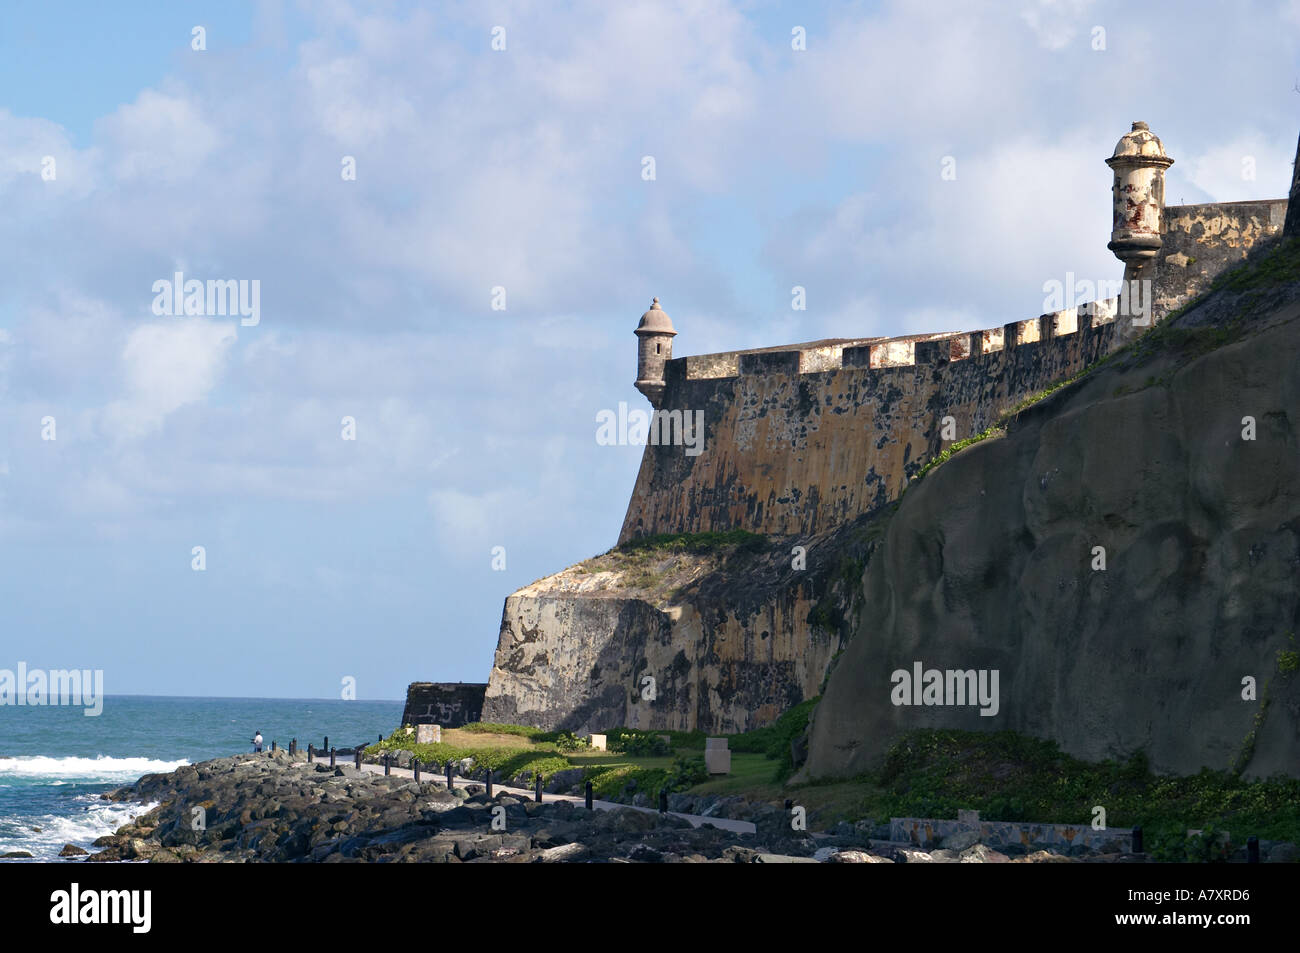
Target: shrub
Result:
[636, 742]
[696, 542]
[774, 740]
[686, 773]
[1288, 660]
[563, 740]
[1006, 776]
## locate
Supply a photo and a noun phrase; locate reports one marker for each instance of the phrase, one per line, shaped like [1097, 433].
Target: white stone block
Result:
[717, 760]
[598, 743]
[428, 734]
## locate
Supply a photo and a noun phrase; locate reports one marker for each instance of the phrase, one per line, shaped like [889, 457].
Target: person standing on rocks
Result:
[257, 741]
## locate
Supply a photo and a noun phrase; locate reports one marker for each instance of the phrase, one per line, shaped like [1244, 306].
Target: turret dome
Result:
[1141, 143]
[655, 321]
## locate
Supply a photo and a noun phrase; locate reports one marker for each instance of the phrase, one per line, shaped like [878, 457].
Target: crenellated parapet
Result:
[792, 451]
[821, 356]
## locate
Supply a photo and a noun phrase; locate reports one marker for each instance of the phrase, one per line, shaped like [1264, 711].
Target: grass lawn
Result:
[591, 759]
[751, 775]
[461, 738]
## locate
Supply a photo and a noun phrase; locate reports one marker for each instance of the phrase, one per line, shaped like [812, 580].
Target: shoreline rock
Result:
[273, 808]
[270, 807]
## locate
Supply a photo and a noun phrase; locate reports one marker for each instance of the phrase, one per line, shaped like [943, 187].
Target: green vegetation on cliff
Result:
[999, 427]
[1278, 265]
[775, 740]
[695, 542]
[664, 562]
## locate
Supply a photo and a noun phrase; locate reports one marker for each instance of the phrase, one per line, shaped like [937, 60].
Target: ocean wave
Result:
[43, 835]
[101, 768]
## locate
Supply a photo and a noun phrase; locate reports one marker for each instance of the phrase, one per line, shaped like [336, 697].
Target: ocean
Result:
[55, 761]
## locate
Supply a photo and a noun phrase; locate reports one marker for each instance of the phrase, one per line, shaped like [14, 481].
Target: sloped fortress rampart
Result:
[800, 439]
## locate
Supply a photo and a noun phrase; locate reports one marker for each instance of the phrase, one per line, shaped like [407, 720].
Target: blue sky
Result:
[519, 168]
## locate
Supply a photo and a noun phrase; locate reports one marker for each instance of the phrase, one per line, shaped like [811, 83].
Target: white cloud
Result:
[24, 145]
[166, 366]
[160, 137]
[462, 518]
[1249, 167]
[1055, 22]
[974, 249]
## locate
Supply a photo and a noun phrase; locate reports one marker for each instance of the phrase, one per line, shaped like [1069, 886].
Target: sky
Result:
[467, 297]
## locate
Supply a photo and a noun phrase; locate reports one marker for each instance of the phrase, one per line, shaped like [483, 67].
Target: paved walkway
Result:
[696, 820]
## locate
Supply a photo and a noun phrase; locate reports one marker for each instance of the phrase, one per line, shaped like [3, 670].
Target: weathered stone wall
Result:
[793, 452]
[450, 704]
[1202, 241]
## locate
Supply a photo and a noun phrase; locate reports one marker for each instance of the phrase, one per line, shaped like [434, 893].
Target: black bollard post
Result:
[537, 788]
[1252, 849]
[333, 757]
[357, 756]
[381, 739]
[589, 795]
[293, 746]
[309, 752]
[663, 801]
[388, 766]
[1137, 839]
[326, 745]
[449, 776]
[489, 782]
[272, 744]
[415, 768]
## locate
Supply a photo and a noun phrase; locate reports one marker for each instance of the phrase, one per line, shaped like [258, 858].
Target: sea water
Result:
[55, 762]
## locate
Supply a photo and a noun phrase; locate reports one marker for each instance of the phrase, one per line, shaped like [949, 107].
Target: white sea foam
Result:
[101, 768]
[95, 819]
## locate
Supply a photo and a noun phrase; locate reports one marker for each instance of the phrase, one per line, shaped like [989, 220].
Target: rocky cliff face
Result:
[991, 562]
[730, 635]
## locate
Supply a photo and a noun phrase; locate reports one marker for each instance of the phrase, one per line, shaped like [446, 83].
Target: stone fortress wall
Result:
[800, 440]
[803, 438]
[449, 704]
[1201, 241]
